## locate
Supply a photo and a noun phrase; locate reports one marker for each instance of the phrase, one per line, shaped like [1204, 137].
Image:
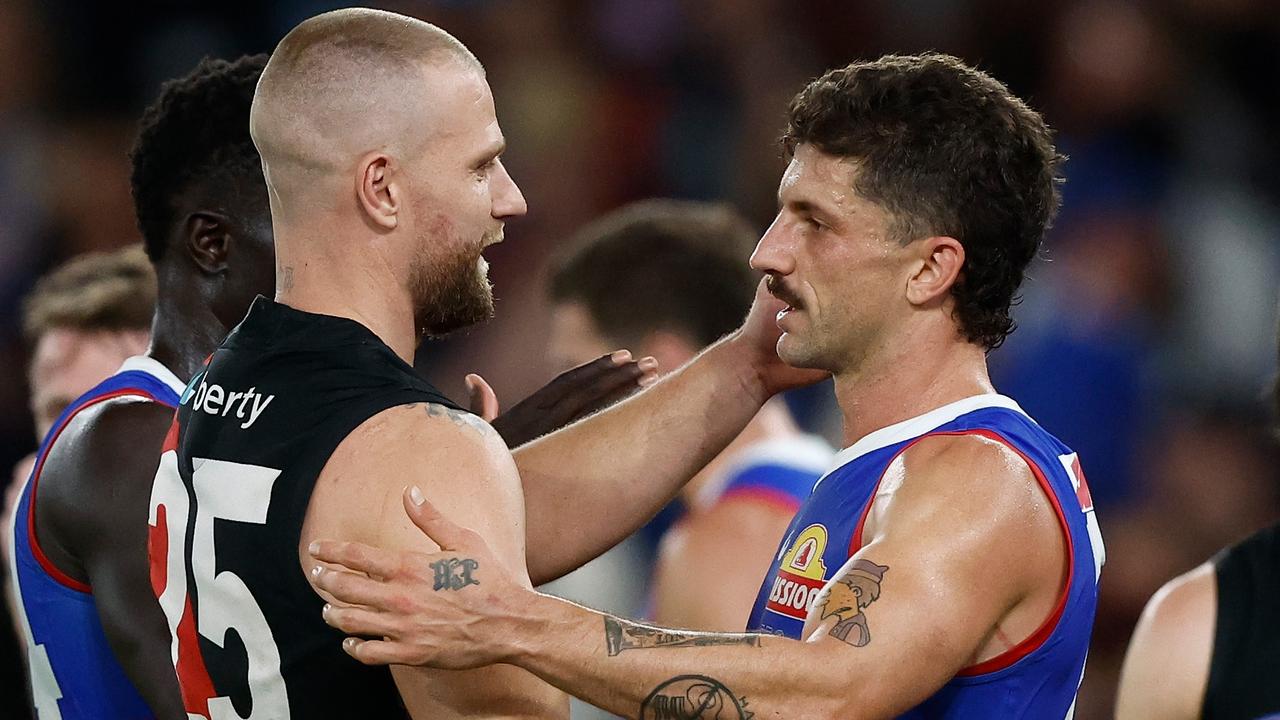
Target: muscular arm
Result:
[964, 544]
[1166, 669]
[616, 469]
[92, 516]
[470, 472]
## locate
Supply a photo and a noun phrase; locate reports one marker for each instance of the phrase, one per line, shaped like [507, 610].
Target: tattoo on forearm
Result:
[454, 573]
[621, 635]
[286, 279]
[848, 596]
[686, 697]
[459, 417]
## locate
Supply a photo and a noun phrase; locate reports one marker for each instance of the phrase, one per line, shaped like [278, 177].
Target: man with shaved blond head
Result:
[381, 151]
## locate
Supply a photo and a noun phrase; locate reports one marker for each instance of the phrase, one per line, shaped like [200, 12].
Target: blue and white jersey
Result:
[73, 671]
[1038, 677]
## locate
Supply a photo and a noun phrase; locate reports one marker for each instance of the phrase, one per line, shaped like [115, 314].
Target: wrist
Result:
[743, 362]
[531, 619]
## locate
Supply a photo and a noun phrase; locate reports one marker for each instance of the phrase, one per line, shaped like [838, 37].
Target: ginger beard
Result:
[451, 290]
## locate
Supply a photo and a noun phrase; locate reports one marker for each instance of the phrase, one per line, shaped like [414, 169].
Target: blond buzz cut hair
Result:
[344, 83]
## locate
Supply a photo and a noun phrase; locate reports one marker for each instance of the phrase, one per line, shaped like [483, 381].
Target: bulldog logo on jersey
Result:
[801, 574]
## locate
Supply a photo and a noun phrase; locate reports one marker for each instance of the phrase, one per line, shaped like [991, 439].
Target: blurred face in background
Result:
[68, 362]
[830, 256]
[577, 339]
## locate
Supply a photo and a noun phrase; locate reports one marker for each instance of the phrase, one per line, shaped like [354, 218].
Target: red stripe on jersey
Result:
[171, 437]
[45, 563]
[1042, 634]
[193, 676]
[763, 496]
[1082, 491]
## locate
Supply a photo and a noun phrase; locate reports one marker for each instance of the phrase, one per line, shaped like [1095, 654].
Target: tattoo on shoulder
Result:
[685, 697]
[460, 418]
[454, 573]
[848, 596]
[620, 635]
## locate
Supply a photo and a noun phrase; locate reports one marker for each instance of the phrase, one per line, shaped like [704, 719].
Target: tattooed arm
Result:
[463, 465]
[964, 558]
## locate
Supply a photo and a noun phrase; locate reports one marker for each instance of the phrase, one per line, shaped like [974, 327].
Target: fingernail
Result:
[620, 356]
[348, 643]
[314, 547]
[647, 364]
[325, 612]
[647, 380]
[416, 496]
[315, 571]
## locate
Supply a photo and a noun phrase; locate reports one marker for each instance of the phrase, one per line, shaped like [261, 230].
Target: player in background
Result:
[1207, 644]
[80, 322]
[95, 637]
[948, 566]
[733, 513]
[382, 153]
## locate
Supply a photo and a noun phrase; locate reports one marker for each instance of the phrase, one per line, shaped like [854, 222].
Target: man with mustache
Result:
[382, 156]
[947, 566]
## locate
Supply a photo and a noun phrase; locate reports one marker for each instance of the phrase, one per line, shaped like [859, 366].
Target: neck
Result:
[911, 382]
[356, 286]
[771, 423]
[184, 330]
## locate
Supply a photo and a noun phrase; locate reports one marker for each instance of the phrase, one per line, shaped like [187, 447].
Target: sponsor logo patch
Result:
[801, 574]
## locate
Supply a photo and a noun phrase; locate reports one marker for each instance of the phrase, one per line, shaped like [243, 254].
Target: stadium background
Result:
[1147, 337]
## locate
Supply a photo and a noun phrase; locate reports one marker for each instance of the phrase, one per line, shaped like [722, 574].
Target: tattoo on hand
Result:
[686, 697]
[460, 418]
[454, 573]
[620, 635]
[848, 596]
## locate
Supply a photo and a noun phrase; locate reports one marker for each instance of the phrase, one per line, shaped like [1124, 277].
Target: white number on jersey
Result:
[224, 491]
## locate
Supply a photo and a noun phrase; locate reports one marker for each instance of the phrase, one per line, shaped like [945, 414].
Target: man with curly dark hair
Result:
[947, 566]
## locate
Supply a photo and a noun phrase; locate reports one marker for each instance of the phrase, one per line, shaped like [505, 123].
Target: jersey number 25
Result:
[223, 491]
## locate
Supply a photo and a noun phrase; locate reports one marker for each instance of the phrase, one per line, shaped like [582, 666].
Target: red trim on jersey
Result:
[171, 437]
[764, 496]
[45, 563]
[1042, 634]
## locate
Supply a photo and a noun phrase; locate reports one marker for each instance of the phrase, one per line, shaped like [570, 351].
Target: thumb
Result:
[433, 524]
[483, 400]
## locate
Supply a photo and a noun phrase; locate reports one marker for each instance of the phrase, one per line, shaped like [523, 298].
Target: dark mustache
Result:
[779, 290]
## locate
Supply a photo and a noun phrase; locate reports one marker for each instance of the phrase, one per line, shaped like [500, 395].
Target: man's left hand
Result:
[440, 610]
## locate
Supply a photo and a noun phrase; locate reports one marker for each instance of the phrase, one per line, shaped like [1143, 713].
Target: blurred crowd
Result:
[1147, 332]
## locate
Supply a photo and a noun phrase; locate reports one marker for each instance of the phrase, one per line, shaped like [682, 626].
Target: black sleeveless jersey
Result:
[251, 435]
[1244, 676]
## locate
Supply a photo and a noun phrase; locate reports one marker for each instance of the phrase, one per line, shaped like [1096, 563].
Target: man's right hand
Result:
[757, 343]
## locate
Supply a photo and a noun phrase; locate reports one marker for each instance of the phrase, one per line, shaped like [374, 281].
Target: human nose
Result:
[508, 201]
[773, 255]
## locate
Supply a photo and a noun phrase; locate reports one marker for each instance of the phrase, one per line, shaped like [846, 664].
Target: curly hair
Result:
[946, 150]
[660, 265]
[198, 129]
